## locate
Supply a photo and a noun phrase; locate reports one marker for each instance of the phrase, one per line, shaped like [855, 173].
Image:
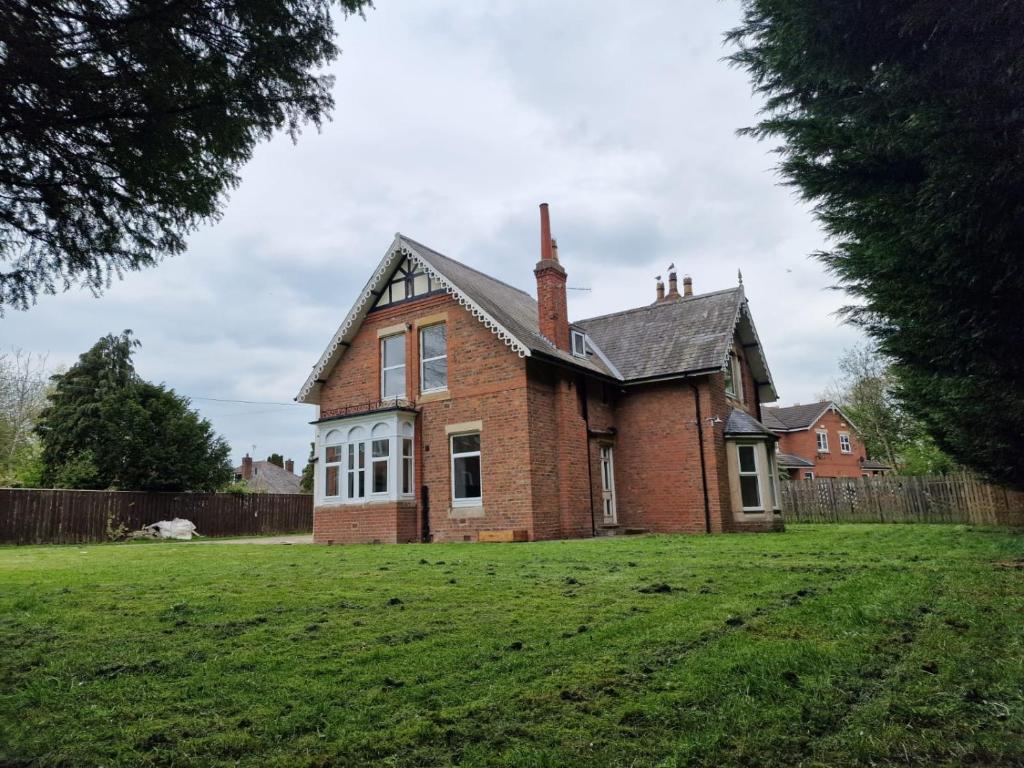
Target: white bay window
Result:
[365, 458]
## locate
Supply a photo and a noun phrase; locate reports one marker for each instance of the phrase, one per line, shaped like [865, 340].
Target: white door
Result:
[608, 485]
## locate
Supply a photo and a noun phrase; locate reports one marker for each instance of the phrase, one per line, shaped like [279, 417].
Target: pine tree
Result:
[902, 122]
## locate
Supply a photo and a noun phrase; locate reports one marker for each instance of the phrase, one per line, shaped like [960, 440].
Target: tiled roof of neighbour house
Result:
[791, 461]
[742, 423]
[685, 335]
[873, 464]
[796, 417]
[679, 337]
[270, 478]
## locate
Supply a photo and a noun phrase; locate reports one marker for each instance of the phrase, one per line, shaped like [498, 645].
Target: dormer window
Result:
[733, 377]
[579, 344]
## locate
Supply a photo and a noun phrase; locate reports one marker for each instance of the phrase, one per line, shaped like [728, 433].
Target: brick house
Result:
[267, 477]
[819, 440]
[455, 407]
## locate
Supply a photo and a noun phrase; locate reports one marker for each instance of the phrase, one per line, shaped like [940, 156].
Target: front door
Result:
[608, 486]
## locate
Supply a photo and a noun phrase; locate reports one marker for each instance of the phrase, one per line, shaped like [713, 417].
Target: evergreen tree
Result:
[902, 123]
[124, 124]
[276, 458]
[306, 480]
[105, 427]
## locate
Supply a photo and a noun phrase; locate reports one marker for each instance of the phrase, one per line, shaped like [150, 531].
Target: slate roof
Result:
[684, 336]
[795, 417]
[791, 461]
[270, 478]
[516, 310]
[742, 423]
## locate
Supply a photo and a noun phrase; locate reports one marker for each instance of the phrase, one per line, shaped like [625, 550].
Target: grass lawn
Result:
[825, 645]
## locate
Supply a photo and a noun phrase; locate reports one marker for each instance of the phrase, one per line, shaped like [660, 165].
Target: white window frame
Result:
[425, 360]
[735, 379]
[579, 338]
[821, 437]
[808, 475]
[385, 368]
[372, 461]
[756, 474]
[395, 427]
[845, 444]
[473, 501]
[408, 465]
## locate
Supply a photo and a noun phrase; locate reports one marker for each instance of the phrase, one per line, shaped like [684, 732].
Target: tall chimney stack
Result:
[687, 285]
[289, 466]
[552, 306]
[673, 286]
[247, 467]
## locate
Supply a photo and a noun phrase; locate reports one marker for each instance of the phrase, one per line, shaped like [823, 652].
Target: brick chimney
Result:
[687, 285]
[552, 307]
[659, 290]
[673, 286]
[289, 466]
[247, 467]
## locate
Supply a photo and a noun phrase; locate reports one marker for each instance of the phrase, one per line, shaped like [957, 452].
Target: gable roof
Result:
[270, 478]
[688, 335]
[682, 337]
[792, 461]
[796, 418]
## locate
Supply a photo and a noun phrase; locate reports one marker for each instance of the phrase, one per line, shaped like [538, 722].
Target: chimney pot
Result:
[247, 467]
[687, 285]
[552, 305]
[673, 286]
[545, 233]
[289, 466]
[660, 291]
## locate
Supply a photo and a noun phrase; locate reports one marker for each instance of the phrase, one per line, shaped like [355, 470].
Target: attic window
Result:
[579, 344]
[408, 282]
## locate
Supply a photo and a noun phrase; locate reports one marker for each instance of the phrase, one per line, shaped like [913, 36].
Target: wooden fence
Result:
[31, 516]
[935, 499]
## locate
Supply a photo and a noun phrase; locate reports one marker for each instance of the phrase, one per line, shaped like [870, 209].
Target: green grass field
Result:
[825, 645]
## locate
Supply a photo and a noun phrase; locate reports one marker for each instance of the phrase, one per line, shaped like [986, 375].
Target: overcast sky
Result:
[453, 120]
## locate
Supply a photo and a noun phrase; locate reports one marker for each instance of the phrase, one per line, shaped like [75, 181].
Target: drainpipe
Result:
[582, 389]
[703, 463]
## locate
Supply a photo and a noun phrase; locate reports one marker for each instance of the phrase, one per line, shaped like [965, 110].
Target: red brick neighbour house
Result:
[455, 407]
[818, 440]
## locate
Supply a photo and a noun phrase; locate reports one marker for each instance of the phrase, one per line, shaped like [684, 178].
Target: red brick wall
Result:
[486, 382]
[377, 523]
[831, 464]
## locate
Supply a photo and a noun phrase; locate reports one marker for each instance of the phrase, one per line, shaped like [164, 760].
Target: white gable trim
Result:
[744, 310]
[399, 249]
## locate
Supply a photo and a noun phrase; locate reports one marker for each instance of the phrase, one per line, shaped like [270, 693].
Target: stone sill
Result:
[463, 513]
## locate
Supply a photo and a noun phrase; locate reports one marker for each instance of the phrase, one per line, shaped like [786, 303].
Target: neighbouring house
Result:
[267, 477]
[456, 407]
[819, 440]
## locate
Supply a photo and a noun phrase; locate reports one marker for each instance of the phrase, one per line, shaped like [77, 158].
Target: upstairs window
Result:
[392, 364]
[434, 358]
[733, 377]
[409, 281]
[845, 445]
[579, 344]
[822, 437]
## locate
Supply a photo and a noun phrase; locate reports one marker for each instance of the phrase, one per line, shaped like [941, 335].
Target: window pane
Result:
[351, 457]
[749, 491]
[331, 487]
[362, 455]
[333, 454]
[407, 447]
[380, 476]
[394, 350]
[434, 341]
[394, 383]
[467, 477]
[351, 485]
[465, 443]
[420, 285]
[435, 374]
[747, 463]
[381, 448]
